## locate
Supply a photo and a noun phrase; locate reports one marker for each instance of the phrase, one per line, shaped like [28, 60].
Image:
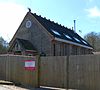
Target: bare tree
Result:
[94, 39]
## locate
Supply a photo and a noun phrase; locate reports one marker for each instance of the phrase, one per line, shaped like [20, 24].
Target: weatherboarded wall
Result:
[12, 68]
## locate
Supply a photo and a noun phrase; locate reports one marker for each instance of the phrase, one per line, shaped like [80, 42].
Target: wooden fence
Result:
[84, 72]
[12, 68]
[53, 71]
[74, 72]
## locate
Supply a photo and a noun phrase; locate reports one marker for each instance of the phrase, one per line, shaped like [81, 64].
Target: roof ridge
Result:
[51, 21]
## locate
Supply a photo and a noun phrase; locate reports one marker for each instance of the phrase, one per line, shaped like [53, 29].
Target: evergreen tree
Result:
[3, 46]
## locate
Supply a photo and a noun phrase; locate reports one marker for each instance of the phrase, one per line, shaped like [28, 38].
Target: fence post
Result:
[6, 69]
[67, 72]
[39, 58]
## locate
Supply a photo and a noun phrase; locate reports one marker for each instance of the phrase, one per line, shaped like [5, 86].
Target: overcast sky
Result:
[85, 12]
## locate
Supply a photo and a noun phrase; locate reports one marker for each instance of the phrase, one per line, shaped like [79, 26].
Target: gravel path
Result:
[12, 87]
[6, 85]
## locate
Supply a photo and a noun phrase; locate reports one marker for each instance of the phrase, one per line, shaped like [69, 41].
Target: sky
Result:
[85, 12]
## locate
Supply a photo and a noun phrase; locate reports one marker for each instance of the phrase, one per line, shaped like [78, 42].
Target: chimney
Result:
[74, 25]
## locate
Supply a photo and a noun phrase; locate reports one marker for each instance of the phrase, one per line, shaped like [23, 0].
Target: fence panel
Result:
[80, 72]
[12, 68]
[53, 71]
[3, 67]
[84, 72]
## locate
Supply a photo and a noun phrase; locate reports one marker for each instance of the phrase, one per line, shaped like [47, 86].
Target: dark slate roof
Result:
[26, 44]
[61, 32]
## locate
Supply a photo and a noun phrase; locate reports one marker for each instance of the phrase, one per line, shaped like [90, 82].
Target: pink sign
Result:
[29, 65]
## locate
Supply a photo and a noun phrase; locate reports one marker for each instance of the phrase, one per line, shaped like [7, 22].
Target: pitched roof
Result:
[26, 44]
[61, 32]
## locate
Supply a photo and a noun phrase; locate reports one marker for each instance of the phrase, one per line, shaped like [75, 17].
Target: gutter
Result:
[61, 40]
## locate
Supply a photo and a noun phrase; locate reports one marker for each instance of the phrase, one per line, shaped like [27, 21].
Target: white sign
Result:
[29, 65]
